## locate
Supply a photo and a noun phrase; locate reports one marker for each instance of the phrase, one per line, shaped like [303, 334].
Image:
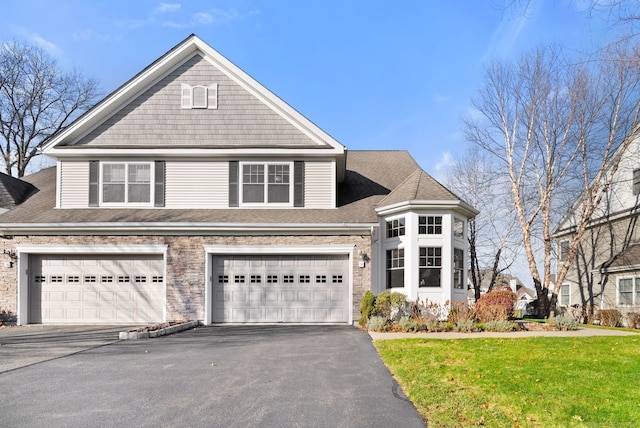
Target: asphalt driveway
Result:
[231, 376]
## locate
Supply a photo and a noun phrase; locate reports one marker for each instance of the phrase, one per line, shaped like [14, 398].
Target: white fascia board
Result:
[70, 152]
[454, 205]
[92, 249]
[141, 228]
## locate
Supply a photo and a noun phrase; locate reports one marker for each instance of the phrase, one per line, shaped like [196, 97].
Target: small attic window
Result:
[199, 96]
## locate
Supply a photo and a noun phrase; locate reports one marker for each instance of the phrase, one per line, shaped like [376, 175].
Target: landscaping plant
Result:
[496, 305]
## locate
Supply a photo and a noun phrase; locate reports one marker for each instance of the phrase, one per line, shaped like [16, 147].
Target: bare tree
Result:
[37, 100]
[474, 178]
[556, 126]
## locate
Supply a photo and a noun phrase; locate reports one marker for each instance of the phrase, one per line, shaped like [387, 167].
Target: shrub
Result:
[564, 323]
[461, 313]
[496, 305]
[633, 320]
[407, 324]
[435, 326]
[465, 326]
[387, 300]
[367, 307]
[610, 317]
[377, 323]
[499, 325]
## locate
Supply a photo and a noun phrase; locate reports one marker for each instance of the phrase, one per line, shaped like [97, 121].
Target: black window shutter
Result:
[298, 184]
[233, 184]
[159, 186]
[94, 183]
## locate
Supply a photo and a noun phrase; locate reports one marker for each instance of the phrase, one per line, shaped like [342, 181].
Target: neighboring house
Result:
[503, 280]
[13, 192]
[605, 274]
[192, 192]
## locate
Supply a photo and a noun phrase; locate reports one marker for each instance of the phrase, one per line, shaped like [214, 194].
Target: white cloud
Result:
[211, 17]
[167, 7]
[508, 32]
[39, 41]
[49, 47]
[445, 162]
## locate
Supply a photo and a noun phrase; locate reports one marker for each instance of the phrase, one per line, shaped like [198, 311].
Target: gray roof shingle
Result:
[372, 177]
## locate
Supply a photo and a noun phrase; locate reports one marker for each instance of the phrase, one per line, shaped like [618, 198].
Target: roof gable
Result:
[262, 121]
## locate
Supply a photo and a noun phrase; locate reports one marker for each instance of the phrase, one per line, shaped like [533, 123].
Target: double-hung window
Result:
[430, 264]
[565, 295]
[629, 291]
[126, 183]
[458, 268]
[395, 268]
[266, 183]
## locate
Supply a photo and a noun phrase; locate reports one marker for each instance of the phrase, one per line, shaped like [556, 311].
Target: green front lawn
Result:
[539, 381]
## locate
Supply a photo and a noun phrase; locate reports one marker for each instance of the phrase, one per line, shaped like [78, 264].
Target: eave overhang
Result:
[457, 206]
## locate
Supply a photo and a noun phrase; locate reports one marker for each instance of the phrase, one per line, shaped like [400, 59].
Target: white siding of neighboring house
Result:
[197, 184]
[74, 184]
[319, 184]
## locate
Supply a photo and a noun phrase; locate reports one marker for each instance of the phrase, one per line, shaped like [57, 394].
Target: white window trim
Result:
[566, 305]
[266, 203]
[633, 292]
[126, 182]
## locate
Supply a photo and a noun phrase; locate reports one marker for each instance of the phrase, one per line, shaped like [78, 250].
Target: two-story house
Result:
[193, 192]
[605, 273]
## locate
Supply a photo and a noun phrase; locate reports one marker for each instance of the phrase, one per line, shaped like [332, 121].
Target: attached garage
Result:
[303, 288]
[95, 289]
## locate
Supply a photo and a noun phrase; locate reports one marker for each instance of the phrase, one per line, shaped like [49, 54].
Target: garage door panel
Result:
[280, 288]
[96, 288]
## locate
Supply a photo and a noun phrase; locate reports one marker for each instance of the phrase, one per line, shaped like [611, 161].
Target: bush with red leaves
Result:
[496, 305]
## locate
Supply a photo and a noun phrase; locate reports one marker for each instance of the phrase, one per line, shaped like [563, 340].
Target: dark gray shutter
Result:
[298, 184]
[233, 184]
[94, 183]
[159, 187]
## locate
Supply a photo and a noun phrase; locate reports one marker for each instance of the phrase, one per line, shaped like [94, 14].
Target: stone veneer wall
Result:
[185, 279]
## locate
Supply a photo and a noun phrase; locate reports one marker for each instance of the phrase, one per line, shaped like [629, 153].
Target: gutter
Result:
[184, 228]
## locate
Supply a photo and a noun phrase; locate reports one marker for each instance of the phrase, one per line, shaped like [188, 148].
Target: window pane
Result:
[625, 288]
[253, 193]
[113, 178]
[429, 277]
[278, 191]
[139, 187]
[253, 183]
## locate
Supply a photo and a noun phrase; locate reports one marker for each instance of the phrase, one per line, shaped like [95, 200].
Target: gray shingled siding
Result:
[156, 117]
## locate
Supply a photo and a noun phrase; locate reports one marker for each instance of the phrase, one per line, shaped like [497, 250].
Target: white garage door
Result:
[268, 289]
[96, 289]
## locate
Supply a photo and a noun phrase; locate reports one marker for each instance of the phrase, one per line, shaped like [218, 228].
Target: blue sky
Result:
[373, 74]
